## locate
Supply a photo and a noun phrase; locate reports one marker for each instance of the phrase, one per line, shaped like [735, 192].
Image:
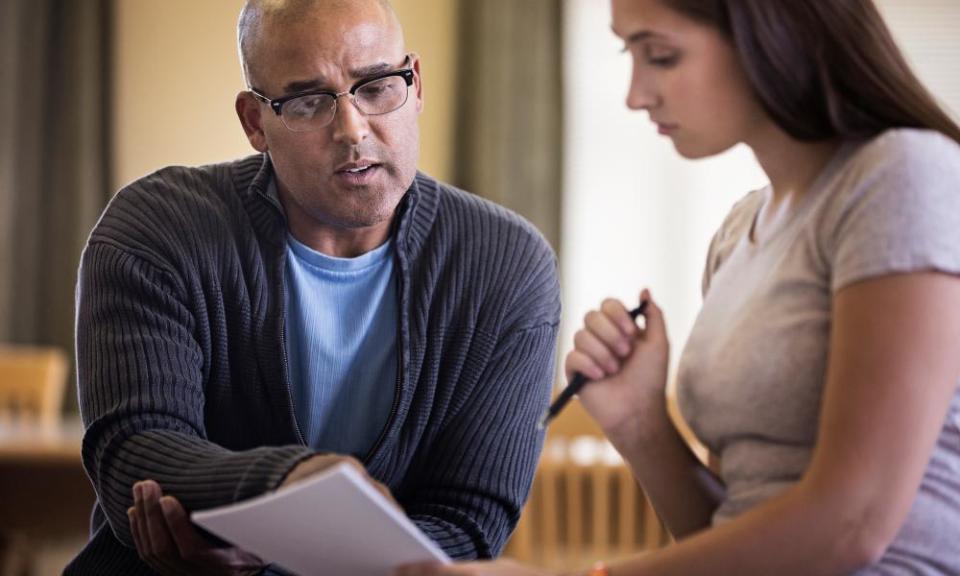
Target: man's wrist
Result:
[286, 475]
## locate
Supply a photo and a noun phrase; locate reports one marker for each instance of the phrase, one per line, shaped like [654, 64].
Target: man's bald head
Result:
[257, 14]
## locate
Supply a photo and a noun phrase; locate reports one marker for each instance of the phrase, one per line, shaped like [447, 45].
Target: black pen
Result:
[575, 384]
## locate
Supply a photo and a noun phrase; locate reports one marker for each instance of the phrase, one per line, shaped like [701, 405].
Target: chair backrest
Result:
[32, 382]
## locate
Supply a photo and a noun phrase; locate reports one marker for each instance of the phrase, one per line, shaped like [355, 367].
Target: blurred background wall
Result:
[177, 75]
[54, 158]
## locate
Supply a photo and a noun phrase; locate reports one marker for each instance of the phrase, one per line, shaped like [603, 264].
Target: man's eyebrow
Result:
[319, 83]
[370, 70]
[302, 86]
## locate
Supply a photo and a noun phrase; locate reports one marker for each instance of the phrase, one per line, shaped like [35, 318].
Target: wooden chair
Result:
[32, 382]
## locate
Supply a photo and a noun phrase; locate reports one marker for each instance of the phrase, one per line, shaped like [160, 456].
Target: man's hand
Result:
[171, 545]
[321, 462]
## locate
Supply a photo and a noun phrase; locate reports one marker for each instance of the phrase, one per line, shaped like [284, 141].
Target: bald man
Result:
[245, 325]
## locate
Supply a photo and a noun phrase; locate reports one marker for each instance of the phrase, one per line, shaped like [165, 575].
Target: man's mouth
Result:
[359, 169]
[357, 173]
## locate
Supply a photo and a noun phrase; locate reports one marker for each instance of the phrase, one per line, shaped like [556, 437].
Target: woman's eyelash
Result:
[663, 60]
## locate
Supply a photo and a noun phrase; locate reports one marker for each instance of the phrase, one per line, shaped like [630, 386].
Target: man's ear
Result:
[417, 82]
[248, 110]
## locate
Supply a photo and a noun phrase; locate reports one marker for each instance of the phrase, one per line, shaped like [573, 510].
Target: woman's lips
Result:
[666, 129]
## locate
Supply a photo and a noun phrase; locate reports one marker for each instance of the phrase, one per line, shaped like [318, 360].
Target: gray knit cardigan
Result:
[183, 376]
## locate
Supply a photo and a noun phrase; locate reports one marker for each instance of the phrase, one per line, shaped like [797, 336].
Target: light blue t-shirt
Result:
[341, 338]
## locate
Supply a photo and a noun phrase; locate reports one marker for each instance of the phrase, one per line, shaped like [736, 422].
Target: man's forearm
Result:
[198, 473]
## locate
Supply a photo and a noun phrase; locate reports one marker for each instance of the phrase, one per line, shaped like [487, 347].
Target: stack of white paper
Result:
[333, 523]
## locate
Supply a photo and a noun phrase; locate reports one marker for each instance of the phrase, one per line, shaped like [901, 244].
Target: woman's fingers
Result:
[605, 340]
[587, 343]
[655, 326]
[609, 337]
[608, 331]
[620, 316]
[579, 362]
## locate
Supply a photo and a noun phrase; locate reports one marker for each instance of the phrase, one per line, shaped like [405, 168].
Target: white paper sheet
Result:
[334, 523]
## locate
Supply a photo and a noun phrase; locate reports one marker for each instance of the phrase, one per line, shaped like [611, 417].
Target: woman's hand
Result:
[496, 568]
[627, 365]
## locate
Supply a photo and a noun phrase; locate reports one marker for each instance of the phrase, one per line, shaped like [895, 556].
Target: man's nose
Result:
[350, 125]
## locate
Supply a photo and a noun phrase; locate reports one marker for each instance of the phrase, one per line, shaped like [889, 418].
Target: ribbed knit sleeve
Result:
[142, 394]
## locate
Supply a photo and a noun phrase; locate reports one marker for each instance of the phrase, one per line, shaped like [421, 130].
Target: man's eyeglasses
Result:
[313, 109]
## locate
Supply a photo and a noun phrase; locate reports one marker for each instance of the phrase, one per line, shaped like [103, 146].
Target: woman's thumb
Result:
[653, 316]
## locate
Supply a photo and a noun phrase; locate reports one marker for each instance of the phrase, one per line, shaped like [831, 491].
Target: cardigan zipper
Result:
[283, 319]
[398, 389]
[283, 344]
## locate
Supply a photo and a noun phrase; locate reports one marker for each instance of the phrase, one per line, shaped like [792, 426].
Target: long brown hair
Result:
[823, 68]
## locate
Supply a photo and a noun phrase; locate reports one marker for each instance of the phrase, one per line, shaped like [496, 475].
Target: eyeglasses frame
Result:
[406, 72]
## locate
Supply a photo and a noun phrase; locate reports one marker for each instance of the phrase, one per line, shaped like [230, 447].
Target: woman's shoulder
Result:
[909, 141]
[903, 166]
[895, 207]
[909, 153]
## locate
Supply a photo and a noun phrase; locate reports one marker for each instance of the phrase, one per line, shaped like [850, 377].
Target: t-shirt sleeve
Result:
[901, 213]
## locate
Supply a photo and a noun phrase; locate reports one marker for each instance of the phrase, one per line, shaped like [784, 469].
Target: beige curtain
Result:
[54, 154]
[509, 128]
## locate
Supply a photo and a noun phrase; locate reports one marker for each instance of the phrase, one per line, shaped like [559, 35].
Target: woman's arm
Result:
[683, 491]
[628, 366]
[893, 368]
[892, 372]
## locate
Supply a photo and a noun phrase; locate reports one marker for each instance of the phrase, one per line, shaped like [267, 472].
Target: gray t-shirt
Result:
[753, 371]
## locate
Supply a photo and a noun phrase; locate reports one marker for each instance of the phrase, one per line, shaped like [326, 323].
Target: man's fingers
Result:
[134, 531]
[138, 529]
[194, 548]
[386, 493]
[161, 542]
[159, 550]
[187, 539]
[143, 542]
[235, 561]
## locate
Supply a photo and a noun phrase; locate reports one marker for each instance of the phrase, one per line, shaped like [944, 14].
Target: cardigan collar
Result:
[416, 210]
